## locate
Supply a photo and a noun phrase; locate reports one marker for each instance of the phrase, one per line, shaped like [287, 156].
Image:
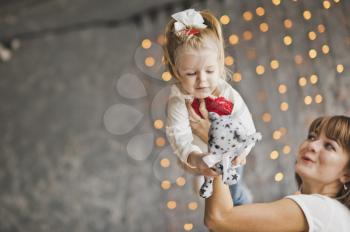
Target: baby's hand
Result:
[239, 160]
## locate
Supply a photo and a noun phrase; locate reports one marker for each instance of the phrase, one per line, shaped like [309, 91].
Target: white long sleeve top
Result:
[178, 129]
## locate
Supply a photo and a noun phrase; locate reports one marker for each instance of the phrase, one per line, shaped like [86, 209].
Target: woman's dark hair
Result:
[336, 128]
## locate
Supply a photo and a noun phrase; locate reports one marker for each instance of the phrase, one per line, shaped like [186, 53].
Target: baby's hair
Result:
[213, 31]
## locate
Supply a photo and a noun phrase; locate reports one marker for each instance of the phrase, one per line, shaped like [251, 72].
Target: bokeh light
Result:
[180, 181]
[287, 40]
[286, 149]
[247, 16]
[166, 76]
[150, 61]
[247, 35]
[165, 184]
[326, 4]
[165, 162]
[277, 134]
[146, 43]
[264, 27]
[279, 177]
[302, 81]
[312, 35]
[307, 100]
[192, 205]
[237, 77]
[276, 2]
[288, 23]
[318, 98]
[307, 15]
[233, 39]
[340, 68]
[158, 124]
[325, 49]
[160, 142]
[260, 11]
[313, 79]
[284, 106]
[321, 28]
[274, 64]
[282, 89]
[188, 226]
[274, 155]
[229, 60]
[266, 117]
[260, 69]
[225, 19]
[312, 53]
[171, 204]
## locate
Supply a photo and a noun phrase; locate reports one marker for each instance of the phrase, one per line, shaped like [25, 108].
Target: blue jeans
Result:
[238, 191]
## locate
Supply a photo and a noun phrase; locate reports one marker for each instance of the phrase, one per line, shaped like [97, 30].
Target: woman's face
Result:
[321, 160]
[198, 70]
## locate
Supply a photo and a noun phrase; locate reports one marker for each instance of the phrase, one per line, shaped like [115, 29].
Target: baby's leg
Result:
[239, 192]
[207, 187]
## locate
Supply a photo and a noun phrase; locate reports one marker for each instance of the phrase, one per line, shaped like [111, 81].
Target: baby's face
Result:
[199, 70]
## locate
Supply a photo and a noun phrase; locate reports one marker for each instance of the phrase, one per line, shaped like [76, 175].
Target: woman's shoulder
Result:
[323, 213]
[318, 199]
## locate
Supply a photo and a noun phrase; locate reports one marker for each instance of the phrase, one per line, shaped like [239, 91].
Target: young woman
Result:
[323, 173]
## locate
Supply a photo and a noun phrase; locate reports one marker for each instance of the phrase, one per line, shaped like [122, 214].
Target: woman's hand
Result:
[200, 126]
[200, 167]
[239, 160]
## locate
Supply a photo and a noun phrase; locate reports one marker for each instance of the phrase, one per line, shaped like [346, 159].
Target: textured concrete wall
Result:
[80, 150]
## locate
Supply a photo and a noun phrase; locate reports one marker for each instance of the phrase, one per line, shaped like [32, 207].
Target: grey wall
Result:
[79, 149]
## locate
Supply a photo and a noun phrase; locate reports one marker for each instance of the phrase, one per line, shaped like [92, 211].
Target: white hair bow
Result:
[188, 19]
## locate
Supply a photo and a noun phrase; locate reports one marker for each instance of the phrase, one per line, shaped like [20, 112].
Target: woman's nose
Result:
[315, 145]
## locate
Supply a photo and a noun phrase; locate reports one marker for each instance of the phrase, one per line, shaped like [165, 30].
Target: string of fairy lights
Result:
[233, 39]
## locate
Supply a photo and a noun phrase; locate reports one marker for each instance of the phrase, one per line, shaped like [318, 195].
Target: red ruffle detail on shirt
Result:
[219, 105]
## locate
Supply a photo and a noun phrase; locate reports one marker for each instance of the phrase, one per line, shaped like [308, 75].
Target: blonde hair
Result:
[336, 128]
[213, 31]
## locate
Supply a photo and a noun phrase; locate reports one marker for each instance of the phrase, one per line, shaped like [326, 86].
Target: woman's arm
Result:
[220, 215]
